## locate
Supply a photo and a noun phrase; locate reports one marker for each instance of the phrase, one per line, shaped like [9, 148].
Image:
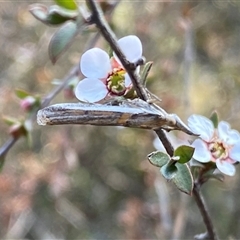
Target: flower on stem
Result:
[28, 103]
[220, 145]
[106, 76]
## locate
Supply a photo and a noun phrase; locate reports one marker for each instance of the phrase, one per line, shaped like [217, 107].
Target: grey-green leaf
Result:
[61, 40]
[169, 171]
[183, 179]
[39, 11]
[54, 15]
[185, 153]
[58, 15]
[158, 158]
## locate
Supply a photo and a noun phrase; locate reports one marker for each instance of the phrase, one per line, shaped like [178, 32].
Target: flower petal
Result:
[128, 81]
[131, 47]
[95, 63]
[226, 167]
[226, 134]
[201, 152]
[202, 126]
[89, 90]
[234, 153]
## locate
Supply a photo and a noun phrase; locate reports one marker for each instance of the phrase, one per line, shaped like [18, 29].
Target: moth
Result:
[127, 113]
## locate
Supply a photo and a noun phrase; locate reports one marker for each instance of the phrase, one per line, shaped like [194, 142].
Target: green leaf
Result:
[61, 40]
[21, 93]
[68, 4]
[183, 179]
[53, 16]
[214, 118]
[169, 171]
[10, 120]
[158, 158]
[146, 69]
[185, 153]
[57, 15]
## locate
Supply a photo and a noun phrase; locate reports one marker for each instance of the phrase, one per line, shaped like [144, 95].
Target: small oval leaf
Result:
[214, 119]
[39, 11]
[61, 40]
[10, 121]
[52, 16]
[184, 153]
[58, 15]
[183, 179]
[169, 171]
[158, 158]
[21, 93]
[68, 4]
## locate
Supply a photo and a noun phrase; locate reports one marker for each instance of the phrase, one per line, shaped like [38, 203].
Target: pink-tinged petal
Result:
[228, 135]
[95, 63]
[226, 167]
[131, 47]
[234, 153]
[202, 126]
[128, 81]
[89, 90]
[201, 152]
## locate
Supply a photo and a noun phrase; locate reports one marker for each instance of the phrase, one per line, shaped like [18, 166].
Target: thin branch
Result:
[108, 34]
[45, 102]
[5, 148]
[99, 19]
[211, 233]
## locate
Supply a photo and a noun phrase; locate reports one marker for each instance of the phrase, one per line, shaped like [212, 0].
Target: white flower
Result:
[221, 145]
[105, 76]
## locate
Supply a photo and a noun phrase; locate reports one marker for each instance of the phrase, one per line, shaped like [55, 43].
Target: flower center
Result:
[116, 81]
[218, 150]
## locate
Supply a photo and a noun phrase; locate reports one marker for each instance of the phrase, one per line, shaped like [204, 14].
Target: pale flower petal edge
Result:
[201, 153]
[234, 153]
[89, 90]
[95, 63]
[202, 126]
[226, 167]
[131, 46]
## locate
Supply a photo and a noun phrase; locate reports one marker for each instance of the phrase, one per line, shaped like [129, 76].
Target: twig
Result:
[5, 148]
[98, 18]
[108, 34]
[211, 233]
[45, 102]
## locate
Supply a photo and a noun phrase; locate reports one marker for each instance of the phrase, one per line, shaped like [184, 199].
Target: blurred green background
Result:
[85, 182]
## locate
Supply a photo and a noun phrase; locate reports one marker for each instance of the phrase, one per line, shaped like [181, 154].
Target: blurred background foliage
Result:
[85, 182]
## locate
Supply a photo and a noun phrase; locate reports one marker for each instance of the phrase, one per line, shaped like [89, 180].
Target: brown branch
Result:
[98, 18]
[45, 102]
[211, 233]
